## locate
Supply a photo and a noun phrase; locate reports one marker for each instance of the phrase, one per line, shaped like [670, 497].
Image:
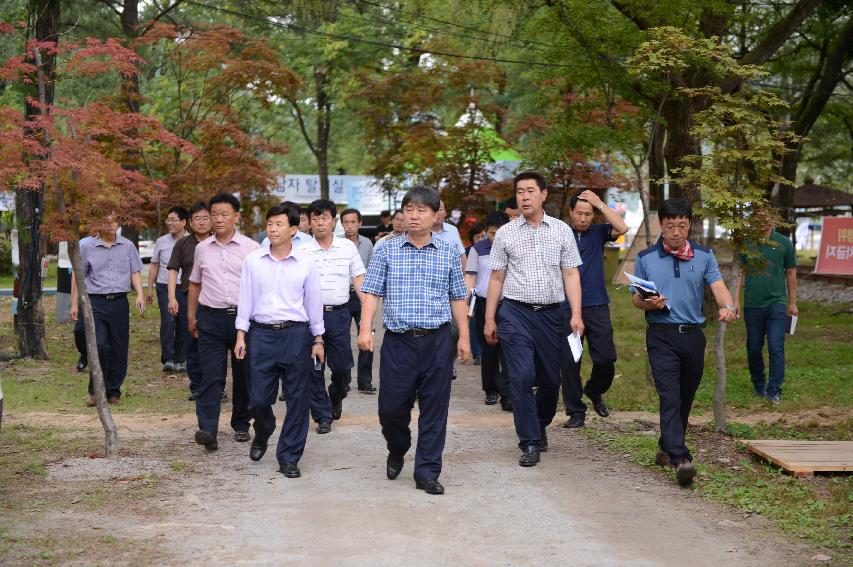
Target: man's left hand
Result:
[140, 304]
[727, 315]
[577, 325]
[792, 309]
[591, 198]
[463, 349]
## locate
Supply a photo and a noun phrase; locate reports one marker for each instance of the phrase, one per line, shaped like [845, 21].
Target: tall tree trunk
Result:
[29, 204]
[324, 126]
[678, 114]
[132, 98]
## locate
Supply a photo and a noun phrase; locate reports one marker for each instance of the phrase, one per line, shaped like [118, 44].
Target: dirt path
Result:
[580, 505]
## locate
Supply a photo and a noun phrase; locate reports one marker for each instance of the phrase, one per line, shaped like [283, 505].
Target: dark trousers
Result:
[190, 343]
[365, 358]
[216, 337]
[80, 336]
[677, 361]
[492, 368]
[530, 341]
[476, 341]
[112, 333]
[770, 322]
[598, 335]
[273, 353]
[172, 342]
[419, 367]
[338, 348]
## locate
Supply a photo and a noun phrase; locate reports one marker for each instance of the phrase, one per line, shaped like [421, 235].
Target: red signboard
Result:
[836, 247]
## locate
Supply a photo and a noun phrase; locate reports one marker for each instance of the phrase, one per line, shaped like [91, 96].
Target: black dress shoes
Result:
[543, 441]
[324, 427]
[491, 398]
[337, 408]
[506, 404]
[241, 436]
[290, 470]
[529, 456]
[661, 458]
[256, 452]
[600, 407]
[684, 472]
[369, 389]
[204, 438]
[193, 397]
[81, 365]
[393, 466]
[576, 421]
[429, 485]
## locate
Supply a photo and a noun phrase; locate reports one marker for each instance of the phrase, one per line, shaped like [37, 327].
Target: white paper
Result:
[793, 319]
[575, 345]
[471, 305]
[647, 285]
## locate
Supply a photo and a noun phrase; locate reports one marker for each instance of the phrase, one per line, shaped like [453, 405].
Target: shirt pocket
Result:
[551, 253]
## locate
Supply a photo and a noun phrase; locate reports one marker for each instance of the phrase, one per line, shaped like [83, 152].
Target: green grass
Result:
[818, 362]
[53, 385]
[8, 280]
[816, 510]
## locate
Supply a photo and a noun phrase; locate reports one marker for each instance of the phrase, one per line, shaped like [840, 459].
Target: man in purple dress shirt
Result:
[211, 310]
[280, 326]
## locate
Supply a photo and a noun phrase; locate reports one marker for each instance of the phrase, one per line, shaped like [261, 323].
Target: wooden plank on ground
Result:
[804, 458]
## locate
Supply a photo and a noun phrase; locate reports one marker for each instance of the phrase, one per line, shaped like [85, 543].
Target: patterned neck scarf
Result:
[684, 253]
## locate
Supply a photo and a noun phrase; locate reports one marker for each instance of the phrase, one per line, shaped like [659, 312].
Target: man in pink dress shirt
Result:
[211, 311]
[280, 326]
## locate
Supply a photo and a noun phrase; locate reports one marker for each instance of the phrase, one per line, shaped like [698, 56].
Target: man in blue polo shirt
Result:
[598, 332]
[680, 268]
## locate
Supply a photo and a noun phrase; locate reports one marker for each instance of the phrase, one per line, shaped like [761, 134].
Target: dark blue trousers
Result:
[419, 367]
[365, 357]
[492, 367]
[677, 361]
[338, 348]
[216, 337]
[172, 342]
[531, 347]
[770, 322]
[273, 353]
[112, 333]
[80, 336]
[598, 336]
[191, 343]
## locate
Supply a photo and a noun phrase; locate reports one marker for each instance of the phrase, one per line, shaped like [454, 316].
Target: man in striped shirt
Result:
[340, 266]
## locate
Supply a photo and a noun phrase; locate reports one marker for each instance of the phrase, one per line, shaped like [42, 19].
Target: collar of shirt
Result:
[235, 238]
[405, 240]
[98, 241]
[267, 251]
[337, 242]
[546, 220]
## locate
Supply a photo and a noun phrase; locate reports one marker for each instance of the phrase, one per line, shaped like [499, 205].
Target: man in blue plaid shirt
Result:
[420, 279]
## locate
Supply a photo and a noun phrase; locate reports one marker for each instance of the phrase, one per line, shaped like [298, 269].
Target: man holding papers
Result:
[598, 329]
[680, 269]
[534, 262]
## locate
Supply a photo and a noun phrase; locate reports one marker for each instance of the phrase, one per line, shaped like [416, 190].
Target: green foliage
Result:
[5, 257]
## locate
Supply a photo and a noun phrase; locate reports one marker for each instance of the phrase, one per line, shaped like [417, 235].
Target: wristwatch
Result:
[730, 307]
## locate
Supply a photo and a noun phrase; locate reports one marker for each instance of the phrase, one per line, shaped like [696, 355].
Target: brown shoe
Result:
[662, 459]
[684, 472]
[114, 401]
[91, 402]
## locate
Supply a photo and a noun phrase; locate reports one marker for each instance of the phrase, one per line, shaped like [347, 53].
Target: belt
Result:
[109, 296]
[534, 306]
[277, 325]
[682, 329]
[418, 332]
[328, 308]
[230, 310]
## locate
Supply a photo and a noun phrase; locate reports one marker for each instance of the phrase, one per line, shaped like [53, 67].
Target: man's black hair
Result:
[355, 212]
[496, 219]
[511, 203]
[226, 198]
[422, 195]
[292, 213]
[397, 212]
[476, 229]
[182, 213]
[385, 214]
[199, 206]
[574, 201]
[320, 206]
[675, 208]
[534, 175]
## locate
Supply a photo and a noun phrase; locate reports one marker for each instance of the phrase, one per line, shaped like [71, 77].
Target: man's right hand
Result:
[74, 312]
[656, 302]
[173, 307]
[193, 328]
[490, 330]
[365, 341]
